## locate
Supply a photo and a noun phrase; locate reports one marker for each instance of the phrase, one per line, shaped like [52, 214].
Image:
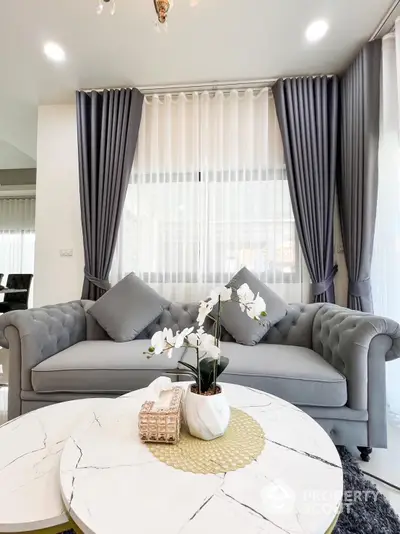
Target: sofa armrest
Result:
[354, 343]
[36, 334]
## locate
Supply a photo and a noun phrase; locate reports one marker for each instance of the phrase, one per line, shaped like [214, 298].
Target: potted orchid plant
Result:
[206, 410]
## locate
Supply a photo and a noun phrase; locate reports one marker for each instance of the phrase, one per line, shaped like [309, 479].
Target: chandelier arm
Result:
[162, 7]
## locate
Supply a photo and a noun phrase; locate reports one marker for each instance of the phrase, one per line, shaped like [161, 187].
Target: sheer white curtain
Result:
[208, 195]
[17, 235]
[386, 258]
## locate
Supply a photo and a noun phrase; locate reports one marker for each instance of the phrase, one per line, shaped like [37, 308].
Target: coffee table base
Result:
[332, 527]
[51, 530]
[71, 526]
[55, 530]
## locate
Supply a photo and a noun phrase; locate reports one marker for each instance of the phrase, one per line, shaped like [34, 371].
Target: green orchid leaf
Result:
[222, 365]
[182, 372]
[207, 371]
[191, 367]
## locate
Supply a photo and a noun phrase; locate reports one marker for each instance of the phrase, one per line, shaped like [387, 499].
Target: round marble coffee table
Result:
[111, 482]
[30, 449]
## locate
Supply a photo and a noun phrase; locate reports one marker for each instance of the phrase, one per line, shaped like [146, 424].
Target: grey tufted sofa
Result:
[328, 360]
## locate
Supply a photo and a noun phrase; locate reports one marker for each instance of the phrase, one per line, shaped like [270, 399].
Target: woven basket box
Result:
[160, 421]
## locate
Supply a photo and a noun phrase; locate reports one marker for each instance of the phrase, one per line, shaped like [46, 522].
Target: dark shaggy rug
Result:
[369, 512]
[365, 509]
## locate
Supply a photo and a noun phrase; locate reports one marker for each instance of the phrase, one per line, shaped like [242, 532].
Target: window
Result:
[385, 261]
[209, 194]
[17, 236]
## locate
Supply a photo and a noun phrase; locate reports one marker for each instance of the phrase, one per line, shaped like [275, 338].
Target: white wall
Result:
[58, 219]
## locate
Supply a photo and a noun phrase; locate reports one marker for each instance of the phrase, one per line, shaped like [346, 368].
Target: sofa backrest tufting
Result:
[294, 329]
[44, 332]
[61, 326]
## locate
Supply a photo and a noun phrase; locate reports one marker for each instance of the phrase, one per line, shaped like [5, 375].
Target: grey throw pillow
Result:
[127, 308]
[242, 328]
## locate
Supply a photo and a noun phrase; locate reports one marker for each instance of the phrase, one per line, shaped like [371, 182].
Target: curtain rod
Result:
[209, 86]
[385, 19]
[194, 87]
[239, 85]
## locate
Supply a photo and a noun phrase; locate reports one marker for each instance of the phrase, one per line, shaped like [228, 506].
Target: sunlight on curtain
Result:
[17, 236]
[209, 195]
[386, 259]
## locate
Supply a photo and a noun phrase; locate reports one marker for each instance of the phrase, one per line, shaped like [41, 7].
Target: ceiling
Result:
[218, 40]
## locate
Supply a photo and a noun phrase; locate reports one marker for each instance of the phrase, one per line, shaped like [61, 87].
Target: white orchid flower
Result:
[220, 293]
[158, 342]
[207, 344]
[226, 294]
[245, 296]
[194, 338]
[214, 352]
[180, 337]
[162, 341]
[253, 306]
[259, 306]
[256, 309]
[205, 308]
[170, 341]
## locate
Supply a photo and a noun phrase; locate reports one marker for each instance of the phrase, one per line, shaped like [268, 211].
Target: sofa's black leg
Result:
[365, 453]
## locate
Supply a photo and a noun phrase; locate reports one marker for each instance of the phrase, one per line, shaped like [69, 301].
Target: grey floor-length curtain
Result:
[358, 179]
[108, 126]
[307, 110]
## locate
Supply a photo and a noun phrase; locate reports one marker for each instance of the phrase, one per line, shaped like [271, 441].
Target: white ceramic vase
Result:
[207, 416]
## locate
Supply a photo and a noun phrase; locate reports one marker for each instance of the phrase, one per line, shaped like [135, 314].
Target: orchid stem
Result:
[217, 334]
[198, 370]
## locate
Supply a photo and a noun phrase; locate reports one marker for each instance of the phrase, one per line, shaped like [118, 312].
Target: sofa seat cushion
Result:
[296, 374]
[101, 367]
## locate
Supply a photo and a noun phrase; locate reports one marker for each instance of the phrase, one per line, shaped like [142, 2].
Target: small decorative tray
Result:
[160, 420]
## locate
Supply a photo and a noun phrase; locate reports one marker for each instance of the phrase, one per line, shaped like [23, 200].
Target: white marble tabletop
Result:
[111, 482]
[30, 448]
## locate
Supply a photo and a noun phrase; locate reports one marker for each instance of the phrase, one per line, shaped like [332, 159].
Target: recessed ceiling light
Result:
[317, 30]
[54, 52]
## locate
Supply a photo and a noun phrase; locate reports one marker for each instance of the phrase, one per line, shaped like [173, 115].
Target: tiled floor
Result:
[384, 463]
[3, 404]
[3, 366]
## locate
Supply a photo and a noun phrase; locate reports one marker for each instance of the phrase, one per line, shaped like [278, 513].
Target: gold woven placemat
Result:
[242, 443]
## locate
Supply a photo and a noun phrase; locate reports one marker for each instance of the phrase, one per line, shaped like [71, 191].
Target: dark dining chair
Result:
[16, 301]
[1, 277]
